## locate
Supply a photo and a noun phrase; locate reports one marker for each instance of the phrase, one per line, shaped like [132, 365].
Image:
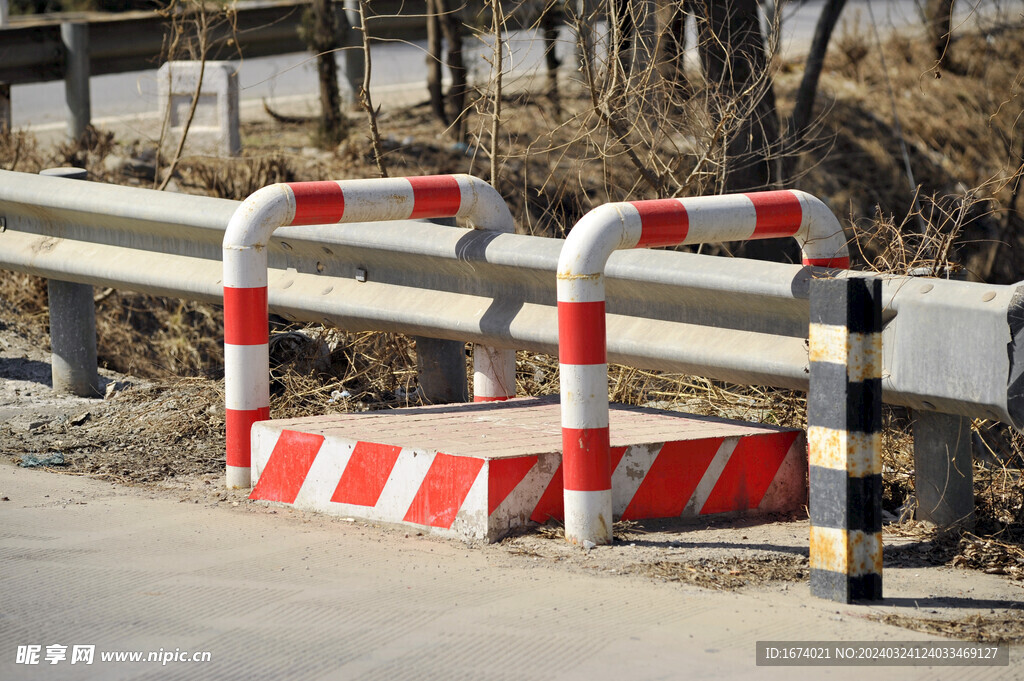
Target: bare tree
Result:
[322, 38]
[451, 25]
[364, 94]
[672, 48]
[498, 72]
[445, 21]
[623, 32]
[434, 62]
[549, 20]
[939, 20]
[805, 96]
[736, 69]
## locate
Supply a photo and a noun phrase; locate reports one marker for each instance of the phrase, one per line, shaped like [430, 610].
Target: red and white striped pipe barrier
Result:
[246, 335]
[582, 352]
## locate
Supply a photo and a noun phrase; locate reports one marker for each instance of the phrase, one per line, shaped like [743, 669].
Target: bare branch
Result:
[364, 94]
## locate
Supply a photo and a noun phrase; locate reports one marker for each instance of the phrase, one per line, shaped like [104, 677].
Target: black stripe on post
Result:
[844, 422]
[851, 405]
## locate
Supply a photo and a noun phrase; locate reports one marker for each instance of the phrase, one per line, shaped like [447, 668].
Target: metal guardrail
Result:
[948, 346]
[31, 49]
[76, 46]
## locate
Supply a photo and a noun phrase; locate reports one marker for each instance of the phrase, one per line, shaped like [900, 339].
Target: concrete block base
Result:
[214, 129]
[481, 470]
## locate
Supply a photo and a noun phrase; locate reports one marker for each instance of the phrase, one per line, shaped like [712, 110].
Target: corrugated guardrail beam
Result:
[31, 50]
[949, 346]
[119, 43]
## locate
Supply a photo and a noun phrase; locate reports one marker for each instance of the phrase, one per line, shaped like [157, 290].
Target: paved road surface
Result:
[273, 594]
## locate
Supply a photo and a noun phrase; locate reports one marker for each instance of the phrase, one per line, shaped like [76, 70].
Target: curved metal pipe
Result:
[582, 351]
[246, 335]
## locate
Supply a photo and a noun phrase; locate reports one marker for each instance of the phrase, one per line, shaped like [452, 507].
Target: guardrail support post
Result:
[76, 78]
[943, 478]
[72, 326]
[73, 338]
[844, 426]
[441, 370]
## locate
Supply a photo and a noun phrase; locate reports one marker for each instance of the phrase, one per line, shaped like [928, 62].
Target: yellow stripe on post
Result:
[860, 352]
[850, 552]
[864, 357]
[842, 450]
[827, 343]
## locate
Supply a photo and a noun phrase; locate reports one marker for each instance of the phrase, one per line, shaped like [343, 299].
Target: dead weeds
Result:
[991, 556]
[995, 628]
[728, 573]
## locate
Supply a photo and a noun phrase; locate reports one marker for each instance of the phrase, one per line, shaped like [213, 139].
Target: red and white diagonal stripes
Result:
[372, 481]
[485, 498]
[305, 203]
[581, 327]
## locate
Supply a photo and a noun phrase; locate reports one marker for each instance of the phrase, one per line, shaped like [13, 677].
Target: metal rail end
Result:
[1015, 350]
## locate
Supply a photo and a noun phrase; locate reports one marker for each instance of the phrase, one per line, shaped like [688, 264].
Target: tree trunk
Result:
[333, 124]
[549, 22]
[742, 98]
[672, 49]
[804, 106]
[740, 87]
[939, 17]
[434, 62]
[451, 25]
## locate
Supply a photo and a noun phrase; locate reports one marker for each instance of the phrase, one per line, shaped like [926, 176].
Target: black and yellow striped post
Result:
[844, 424]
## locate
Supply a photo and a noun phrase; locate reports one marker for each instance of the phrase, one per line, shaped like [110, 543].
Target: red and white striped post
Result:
[582, 352]
[246, 335]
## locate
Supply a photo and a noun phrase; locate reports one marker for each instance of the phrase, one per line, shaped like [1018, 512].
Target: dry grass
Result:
[142, 434]
[728, 573]
[1007, 627]
[335, 372]
[897, 465]
[235, 180]
[136, 334]
[991, 556]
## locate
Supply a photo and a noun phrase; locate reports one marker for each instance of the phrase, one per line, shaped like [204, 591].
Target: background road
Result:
[400, 68]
